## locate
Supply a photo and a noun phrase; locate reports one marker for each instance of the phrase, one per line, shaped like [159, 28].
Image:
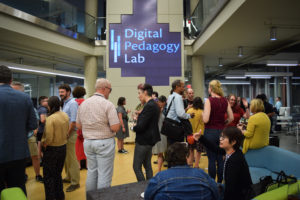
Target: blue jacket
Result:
[182, 182]
[17, 118]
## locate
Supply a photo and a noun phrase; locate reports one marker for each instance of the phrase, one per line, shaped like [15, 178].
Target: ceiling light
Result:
[235, 77]
[235, 83]
[260, 77]
[273, 33]
[240, 51]
[220, 62]
[40, 70]
[284, 63]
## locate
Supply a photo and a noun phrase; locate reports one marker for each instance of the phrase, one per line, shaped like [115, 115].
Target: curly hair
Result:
[177, 154]
[78, 92]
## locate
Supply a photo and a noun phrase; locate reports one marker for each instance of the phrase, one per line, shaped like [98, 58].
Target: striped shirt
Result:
[96, 114]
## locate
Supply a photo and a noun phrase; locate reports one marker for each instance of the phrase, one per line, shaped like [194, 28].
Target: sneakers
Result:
[71, 188]
[122, 151]
[39, 178]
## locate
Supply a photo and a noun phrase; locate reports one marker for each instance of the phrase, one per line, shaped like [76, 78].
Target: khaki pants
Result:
[71, 164]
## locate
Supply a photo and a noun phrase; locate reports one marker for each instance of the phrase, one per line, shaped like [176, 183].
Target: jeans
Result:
[213, 135]
[54, 158]
[100, 156]
[142, 156]
[12, 174]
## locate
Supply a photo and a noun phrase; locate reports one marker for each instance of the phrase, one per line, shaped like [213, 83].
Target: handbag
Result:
[266, 183]
[172, 128]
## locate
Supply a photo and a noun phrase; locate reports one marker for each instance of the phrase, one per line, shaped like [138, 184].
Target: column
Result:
[90, 74]
[91, 9]
[198, 77]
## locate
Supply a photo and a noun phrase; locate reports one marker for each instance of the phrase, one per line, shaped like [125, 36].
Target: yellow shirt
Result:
[197, 121]
[56, 129]
[257, 133]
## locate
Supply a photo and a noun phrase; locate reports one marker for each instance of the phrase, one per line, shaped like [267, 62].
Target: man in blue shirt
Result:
[278, 104]
[177, 111]
[72, 169]
[181, 181]
[17, 118]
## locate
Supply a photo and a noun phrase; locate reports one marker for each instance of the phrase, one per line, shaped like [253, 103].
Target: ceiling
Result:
[249, 27]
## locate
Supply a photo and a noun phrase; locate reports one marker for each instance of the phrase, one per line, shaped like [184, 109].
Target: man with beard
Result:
[70, 107]
[177, 109]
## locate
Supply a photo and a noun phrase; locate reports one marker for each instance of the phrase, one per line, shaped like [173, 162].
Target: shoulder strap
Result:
[170, 106]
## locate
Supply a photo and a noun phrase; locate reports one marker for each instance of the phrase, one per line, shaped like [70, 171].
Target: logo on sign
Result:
[142, 47]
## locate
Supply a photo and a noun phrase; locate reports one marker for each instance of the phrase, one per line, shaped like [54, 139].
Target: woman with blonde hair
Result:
[258, 128]
[213, 116]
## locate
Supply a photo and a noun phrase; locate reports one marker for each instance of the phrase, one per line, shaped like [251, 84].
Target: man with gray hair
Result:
[17, 118]
[32, 142]
[97, 118]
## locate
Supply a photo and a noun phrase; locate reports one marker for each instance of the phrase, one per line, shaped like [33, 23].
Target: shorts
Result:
[39, 136]
[33, 148]
[197, 145]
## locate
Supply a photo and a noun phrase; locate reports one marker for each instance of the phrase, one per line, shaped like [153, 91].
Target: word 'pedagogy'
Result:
[142, 45]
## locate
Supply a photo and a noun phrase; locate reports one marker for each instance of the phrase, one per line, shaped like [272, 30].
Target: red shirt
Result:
[238, 113]
[217, 112]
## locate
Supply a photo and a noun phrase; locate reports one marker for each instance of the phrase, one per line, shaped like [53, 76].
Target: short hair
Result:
[21, 85]
[5, 74]
[155, 93]
[176, 83]
[177, 154]
[41, 98]
[65, 87]
[78, 92]
[257, 105]
[54, 104]
[279, 98]
[140, 86]
[121, 101]
[198, 103]
[263, 97]
[162, 99]
[101, 83]
[233, 134]
[148, 88]
[215, 87]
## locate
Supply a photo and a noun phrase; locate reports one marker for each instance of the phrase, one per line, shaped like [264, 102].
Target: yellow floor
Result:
[123, 173]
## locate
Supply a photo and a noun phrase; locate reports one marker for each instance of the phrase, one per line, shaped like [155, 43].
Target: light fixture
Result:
[268, 74]
[282, 63]
[40, 70]
[240, 51]
[235, 77]
[273, 33]
[260, 77]
[236, 83]
[220, 62]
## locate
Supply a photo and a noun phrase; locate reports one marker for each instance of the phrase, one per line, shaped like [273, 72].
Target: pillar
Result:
[198, 77]
[90, 74]
[91, 8]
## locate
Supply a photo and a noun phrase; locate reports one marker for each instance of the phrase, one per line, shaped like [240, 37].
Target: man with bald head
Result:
[188, 102]
[98, 119]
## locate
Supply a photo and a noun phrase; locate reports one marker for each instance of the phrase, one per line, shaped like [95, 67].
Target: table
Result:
[130, 191]
[285, 120]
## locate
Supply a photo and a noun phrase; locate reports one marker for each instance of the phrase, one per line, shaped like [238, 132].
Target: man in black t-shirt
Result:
[269, 110]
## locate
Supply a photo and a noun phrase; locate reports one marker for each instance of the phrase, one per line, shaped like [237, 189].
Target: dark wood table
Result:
[130, 191]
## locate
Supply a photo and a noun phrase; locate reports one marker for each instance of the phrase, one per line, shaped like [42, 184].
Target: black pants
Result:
[142, 157]
[12, 174]
[54, 158]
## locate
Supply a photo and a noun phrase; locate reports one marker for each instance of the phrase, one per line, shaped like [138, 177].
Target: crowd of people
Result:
[74, 133]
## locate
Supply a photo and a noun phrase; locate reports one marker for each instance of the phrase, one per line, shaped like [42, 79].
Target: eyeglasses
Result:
[110, 89]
